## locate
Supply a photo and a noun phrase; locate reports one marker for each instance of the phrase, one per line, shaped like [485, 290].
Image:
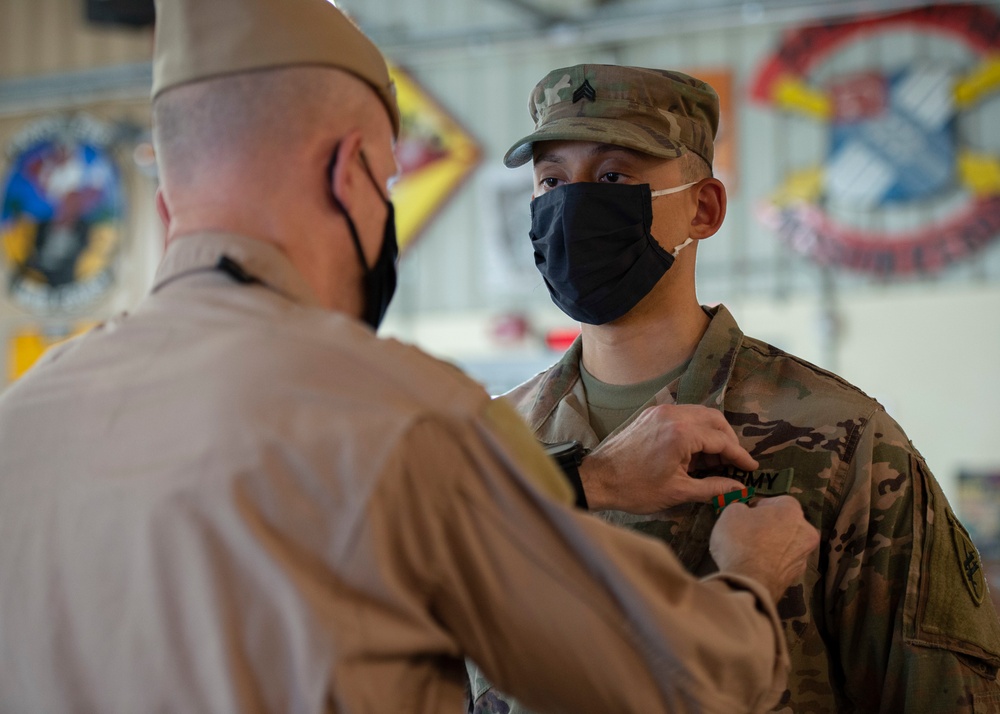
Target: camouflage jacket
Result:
[893, 614]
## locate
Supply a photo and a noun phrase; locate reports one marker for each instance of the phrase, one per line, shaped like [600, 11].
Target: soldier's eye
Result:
[612, 177]
[549, 182]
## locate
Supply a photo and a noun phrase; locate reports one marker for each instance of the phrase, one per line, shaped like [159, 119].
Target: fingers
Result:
[738, 457]
[801, 537]
[703, 489]
[645, 467]
[724, 444]
[732, 512]
[769, 542]
[712, 433]
[782, 503]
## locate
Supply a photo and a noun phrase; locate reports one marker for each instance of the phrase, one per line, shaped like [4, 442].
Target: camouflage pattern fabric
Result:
[656, 111]
[893, 615]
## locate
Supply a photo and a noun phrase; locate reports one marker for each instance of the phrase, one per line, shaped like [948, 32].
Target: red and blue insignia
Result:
[896, 189]
[60, 221]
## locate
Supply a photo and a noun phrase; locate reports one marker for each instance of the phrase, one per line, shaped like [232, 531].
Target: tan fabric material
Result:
[197, 40]
[234, 501]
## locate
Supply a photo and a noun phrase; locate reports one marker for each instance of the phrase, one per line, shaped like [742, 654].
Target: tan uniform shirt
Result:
[234, 501]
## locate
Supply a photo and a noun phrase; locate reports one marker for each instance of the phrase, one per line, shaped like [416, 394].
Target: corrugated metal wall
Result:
[479, 59]
[54, 64]
[50, 36]
[486, 86]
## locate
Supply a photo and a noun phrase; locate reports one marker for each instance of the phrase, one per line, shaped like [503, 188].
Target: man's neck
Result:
[332, 275]
[643, 346]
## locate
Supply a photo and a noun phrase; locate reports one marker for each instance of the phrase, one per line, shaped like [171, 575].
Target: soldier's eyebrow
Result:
[551, 157]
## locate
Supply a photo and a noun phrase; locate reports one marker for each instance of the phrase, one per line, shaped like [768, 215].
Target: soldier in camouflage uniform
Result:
[893, 614]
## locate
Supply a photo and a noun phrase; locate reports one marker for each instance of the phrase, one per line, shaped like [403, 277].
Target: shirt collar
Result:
[711, 366]
[263, 261]
[703, 382]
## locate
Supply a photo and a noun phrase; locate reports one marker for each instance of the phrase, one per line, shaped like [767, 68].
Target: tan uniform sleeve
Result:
[561, 610]
[500, 418]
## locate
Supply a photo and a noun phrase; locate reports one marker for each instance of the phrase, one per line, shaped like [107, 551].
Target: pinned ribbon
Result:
[724, 499]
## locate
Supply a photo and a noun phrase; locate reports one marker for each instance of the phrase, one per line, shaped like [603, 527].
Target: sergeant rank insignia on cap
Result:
[584, 91]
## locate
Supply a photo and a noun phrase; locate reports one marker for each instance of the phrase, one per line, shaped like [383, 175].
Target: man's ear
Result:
[711, 210]
[344, 176]
[162, 209]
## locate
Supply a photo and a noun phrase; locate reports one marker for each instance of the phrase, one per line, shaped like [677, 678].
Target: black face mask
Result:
[594, 249]
[379, 280]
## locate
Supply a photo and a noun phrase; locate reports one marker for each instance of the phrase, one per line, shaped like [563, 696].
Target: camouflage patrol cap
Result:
[655, 111]
[197, 40]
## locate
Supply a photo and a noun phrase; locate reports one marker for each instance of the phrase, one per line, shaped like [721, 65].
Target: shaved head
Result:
[250, 154]
[255, 123]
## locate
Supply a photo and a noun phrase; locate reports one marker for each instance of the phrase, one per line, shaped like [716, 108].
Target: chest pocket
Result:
[947, 601]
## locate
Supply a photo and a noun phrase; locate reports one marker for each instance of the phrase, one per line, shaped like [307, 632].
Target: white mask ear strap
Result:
[686, 243]
[675, 189]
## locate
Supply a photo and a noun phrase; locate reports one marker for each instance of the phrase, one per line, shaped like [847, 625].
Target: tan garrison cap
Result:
[655, 111]
[201, 39]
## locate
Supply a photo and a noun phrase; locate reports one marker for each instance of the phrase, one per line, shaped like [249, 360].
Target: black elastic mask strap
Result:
[347, 216]
[368, 170]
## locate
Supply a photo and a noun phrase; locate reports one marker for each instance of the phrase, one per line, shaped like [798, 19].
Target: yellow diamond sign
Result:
[434, 152]
[27, 345]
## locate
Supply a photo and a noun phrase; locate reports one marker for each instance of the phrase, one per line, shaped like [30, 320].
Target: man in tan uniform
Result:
[237, 499]
[893, 614]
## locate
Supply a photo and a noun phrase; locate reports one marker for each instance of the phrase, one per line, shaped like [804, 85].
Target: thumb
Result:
[705, 488]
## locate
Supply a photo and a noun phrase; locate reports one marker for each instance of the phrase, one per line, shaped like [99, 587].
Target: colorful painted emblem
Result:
[60, 217]
[894, 143]
[435, 155]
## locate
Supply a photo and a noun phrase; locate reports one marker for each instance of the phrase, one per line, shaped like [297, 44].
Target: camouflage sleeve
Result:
[913, 624]
[486, 699]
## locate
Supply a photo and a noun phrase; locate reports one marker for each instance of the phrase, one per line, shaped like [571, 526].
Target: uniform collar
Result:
[558, 382]
[262, 261]
[707, 376]
[558, 408]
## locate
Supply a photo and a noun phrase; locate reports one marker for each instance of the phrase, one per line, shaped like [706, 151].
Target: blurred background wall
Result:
[861, 244]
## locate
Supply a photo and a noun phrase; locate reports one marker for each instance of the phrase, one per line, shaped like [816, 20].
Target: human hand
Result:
[769, 542]
[646, 468]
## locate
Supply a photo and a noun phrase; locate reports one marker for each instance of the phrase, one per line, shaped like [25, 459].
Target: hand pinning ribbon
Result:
[724, 499]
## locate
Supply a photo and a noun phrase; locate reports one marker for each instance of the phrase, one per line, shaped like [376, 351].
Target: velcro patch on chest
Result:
[764, 482]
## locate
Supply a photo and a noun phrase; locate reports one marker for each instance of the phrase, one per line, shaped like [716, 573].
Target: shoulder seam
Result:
[756, 345]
